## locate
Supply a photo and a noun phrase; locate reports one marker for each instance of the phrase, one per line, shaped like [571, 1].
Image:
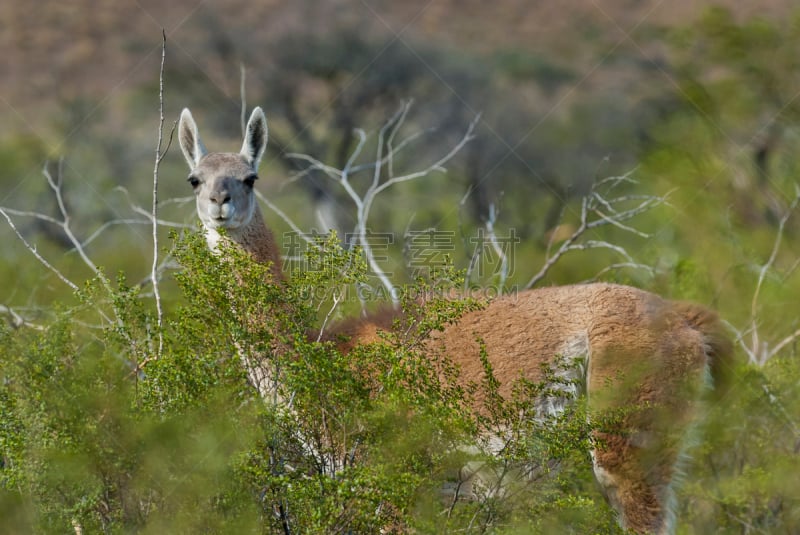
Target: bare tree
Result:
[383, 178]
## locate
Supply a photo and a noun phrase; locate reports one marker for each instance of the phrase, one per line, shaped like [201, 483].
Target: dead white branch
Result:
[56, 185]
[35, 252]
[286, 219]
[16, 320]
[337, 298]
[760, 351]
[383, 177]
[598, 209]
[159, 156]
[490, 239]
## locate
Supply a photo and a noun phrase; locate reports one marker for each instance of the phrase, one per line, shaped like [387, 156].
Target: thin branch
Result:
[788, 273]
[56, 186]
[493, 242]
[16, 320]
[561, 250]
[438, 165]
[316, 165]
[168, 262]
[739, 339]
[604, 211]
[783, 343]
[337, 298]
[280, 213]
[600, 244]
[615, 221]
[394, 150]
[621, 265]
[616, 180]
[758, 351]
[464, 240]
[645, 206]
[348, 168]
[243, 99]
[473, 262]
[40, 258]
[149, 221]
[391, 125]
[108, 224]
[764, 355]
[159, 156]
[376, 188]
[35, 215]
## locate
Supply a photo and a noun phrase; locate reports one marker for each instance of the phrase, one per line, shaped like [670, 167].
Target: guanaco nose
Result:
[220, 197]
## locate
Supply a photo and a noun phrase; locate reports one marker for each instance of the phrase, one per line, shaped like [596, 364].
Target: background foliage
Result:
[699, 101]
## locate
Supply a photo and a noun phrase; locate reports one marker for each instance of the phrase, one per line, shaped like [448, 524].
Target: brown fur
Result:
[264, 249]
[644, 353]
[351, 332]
[719, 344]
[641, 352]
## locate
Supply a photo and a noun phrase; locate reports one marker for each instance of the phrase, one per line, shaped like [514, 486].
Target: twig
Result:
[783, 343]
[159, 156]
[562, 250]
[337, 298]
[493, 242]
[243, 99]
[438, 165]
[168, 262]
[280, 213]
[56, 186]
[108, 224]
[758, 352]
[149, 221]
[35, 215]
[621, 265]
[377, 187]
[17, 320]
[35, 253]
[609, 215]
[474, 257]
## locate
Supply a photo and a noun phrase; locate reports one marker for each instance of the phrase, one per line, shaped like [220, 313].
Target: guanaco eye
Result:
[249, 180]
[194, 181]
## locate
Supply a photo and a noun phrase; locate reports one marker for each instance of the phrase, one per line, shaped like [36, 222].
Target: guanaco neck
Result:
[257, 240]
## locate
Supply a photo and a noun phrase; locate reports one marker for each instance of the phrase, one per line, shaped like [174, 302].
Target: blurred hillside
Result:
[89, 48]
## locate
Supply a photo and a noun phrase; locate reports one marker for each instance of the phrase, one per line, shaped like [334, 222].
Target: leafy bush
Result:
[101, 433]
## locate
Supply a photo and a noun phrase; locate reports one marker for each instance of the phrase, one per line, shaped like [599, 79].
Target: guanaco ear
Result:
[191, 144]
[255, 138]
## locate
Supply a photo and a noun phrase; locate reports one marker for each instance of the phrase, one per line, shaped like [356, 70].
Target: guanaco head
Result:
[223, 181]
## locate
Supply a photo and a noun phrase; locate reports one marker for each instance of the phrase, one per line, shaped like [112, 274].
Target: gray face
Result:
[223, 185]
[223, 181]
